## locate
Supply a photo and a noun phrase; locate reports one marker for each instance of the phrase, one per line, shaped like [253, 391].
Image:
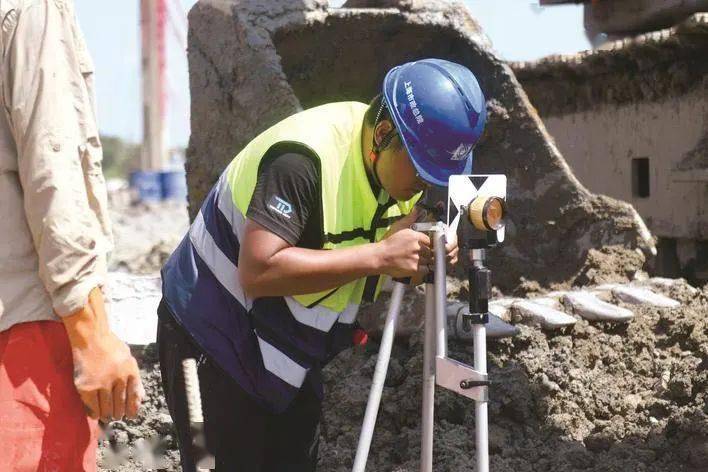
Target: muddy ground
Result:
[596, 397]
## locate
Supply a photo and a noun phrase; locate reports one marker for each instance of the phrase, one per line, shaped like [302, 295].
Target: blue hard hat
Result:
[439, 111]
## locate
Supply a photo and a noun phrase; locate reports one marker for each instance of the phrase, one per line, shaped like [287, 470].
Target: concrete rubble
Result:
[145, 235]
[547, 317]
[638, 295]
[589, 306]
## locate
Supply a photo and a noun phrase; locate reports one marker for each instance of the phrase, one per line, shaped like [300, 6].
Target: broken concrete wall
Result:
[253, 63]
[662, 133]
[644, 98]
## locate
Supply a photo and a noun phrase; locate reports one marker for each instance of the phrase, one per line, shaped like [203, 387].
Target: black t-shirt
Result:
[287, 201]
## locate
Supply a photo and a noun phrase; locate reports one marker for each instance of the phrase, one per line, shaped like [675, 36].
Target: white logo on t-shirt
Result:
[280, 206]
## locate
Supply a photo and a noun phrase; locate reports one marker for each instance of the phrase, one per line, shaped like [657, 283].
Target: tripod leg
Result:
[440, 294]
[481, 429]
[377, 385]
[426, 446]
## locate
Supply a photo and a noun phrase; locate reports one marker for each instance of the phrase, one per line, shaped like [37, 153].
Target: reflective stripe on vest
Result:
[215, 310]
[223, 269]
[281, 365]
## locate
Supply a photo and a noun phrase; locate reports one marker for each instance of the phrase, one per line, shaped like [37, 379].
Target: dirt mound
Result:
[609, 264]
[147, 442]
[597, 397]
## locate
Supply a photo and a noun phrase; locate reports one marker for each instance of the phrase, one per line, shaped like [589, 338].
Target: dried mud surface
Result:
[596, 397]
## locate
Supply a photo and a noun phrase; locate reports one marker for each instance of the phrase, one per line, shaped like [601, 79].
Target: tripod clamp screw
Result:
[475, 318]
[470, 383]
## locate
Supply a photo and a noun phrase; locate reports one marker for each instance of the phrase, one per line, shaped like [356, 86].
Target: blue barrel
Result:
[148, 185]
[174, 185]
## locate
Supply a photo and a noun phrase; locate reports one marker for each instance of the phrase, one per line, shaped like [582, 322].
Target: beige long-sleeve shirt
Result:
[54, 227]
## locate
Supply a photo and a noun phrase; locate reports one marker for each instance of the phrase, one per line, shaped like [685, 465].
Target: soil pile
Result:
[147, 442]
[596, 397]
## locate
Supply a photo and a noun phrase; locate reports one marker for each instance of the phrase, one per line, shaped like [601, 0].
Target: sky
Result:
[518, 29]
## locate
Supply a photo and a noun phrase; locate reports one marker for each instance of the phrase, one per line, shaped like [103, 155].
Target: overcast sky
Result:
[519, 30]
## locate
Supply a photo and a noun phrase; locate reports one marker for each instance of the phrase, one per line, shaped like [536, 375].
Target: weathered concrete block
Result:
[253, 63]
[590, 307]
[643, 296]
[546, 316]
[548, 301]
[501, 307]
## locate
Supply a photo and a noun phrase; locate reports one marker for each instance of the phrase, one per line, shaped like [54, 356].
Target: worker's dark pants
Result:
[242, 435]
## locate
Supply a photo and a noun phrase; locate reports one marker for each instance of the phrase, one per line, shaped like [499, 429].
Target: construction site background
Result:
[578, 395]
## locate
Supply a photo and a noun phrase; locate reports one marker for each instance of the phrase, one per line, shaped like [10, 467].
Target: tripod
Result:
[437, 367]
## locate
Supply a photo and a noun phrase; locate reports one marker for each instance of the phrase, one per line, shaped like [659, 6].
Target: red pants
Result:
[43, 424]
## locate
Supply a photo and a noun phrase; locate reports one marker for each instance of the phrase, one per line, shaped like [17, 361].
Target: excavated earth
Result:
[596, 397]
[629, 397]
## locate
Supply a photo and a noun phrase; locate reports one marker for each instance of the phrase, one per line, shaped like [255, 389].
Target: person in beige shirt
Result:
[61, 368]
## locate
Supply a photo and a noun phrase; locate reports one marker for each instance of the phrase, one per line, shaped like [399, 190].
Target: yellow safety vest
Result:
[332, 134]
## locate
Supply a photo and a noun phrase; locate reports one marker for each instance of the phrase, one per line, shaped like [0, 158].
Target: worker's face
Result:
[395, 169]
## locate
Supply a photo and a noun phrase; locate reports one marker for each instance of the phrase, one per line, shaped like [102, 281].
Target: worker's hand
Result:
[404, 252]
[452, 250]
[105, 373]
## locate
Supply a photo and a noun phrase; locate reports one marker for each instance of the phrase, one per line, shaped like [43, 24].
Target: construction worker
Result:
[61, 368]
[264, 289]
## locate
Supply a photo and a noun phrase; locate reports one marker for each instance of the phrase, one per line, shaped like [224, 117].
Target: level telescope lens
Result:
[487, 213]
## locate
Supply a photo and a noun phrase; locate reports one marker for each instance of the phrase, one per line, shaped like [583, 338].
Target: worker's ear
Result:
[382, 129]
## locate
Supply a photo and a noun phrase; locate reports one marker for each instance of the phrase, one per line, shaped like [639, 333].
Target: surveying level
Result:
[481, 199]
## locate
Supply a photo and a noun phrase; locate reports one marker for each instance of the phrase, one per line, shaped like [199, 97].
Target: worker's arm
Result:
[270, 266]
[49, 106]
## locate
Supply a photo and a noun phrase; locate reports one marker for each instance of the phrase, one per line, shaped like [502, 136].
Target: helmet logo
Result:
[411, 101]
[460, 152]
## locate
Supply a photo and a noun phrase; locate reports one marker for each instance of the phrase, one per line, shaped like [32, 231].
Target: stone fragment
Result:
[551, 302]
[500, 311]
[643, 296]
[500, 307]
[664, 283]
[590, 307]
[605, 287]
[547, 317]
